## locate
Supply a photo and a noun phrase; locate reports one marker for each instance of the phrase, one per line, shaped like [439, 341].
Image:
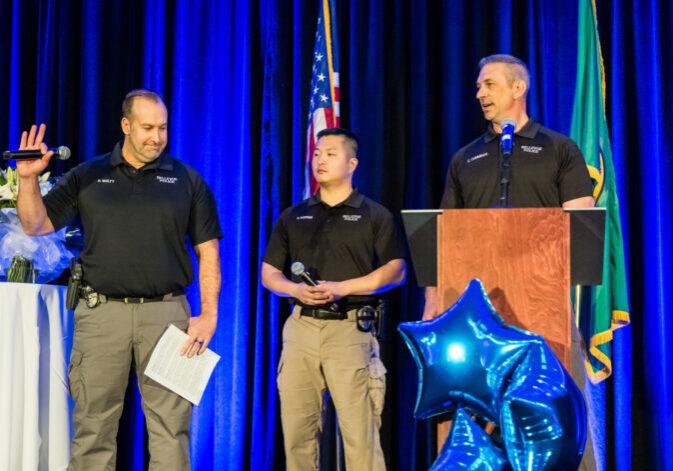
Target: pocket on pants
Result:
[75, 374]
[84, 318]
[182, 325]
[377, 384]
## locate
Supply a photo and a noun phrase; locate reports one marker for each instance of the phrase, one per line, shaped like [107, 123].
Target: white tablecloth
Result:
[35, 407]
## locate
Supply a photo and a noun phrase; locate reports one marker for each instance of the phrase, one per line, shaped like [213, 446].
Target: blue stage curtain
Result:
[235, 78]
[639, 64]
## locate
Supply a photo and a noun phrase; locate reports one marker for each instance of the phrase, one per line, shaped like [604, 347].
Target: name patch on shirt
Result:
[171, 180]
[531, 149]
[476, 157]
[304, 217]
[105, 180]
[352, 217]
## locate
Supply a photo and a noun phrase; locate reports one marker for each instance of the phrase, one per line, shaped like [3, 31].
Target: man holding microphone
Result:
[138, 206]
[350, 251]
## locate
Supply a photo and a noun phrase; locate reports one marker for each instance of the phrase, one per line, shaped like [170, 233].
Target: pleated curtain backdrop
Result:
[235, 78]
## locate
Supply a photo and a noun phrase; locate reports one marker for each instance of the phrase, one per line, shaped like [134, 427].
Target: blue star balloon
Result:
[468, 447]
[468, 358]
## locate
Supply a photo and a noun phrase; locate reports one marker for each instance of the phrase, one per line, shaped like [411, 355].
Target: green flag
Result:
[601, 309]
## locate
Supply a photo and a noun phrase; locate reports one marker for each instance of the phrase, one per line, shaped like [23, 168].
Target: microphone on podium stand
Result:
[507, 139]
[508, 126]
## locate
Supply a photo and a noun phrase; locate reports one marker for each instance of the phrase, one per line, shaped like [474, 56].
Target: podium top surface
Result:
[587, 235]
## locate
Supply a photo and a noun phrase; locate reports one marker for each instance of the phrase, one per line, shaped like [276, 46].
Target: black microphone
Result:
[507, 140]
[62, 153]
[506, 143]
[299, 270]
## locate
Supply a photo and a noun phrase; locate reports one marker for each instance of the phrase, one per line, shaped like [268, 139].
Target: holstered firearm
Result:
[370, 319]
[380, 324]
[74, 284]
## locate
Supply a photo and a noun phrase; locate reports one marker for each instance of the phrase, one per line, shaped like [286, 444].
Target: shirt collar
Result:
[529, 131]
[354, 200]
[163, 162]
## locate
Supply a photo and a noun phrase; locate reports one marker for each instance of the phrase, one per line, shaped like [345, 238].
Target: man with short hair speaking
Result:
[138, 206]
[353, 250]
[547, 168]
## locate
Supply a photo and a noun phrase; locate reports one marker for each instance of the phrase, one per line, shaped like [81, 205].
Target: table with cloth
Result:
[35, 406]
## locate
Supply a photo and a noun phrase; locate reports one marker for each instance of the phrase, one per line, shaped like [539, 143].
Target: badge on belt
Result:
[90, 296]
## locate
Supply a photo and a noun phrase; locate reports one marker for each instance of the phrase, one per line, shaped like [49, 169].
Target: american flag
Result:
[324, 103]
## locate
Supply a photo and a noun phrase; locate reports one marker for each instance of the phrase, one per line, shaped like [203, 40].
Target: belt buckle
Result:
[127, 300]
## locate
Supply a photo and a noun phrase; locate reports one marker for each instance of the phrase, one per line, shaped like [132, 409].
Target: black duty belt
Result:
[323, 314]
[129, 299]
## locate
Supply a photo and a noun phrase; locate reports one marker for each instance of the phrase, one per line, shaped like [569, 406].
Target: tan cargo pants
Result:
[320, 355]
[107, 338]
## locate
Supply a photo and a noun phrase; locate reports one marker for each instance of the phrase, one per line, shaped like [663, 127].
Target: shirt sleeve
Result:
[452, 197]
[277, 251]
[573, 179]
[388, 241]
[204, 223]
[61, 201]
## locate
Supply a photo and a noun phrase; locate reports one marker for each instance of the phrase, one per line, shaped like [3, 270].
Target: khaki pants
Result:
[320, 355]
[107, 338]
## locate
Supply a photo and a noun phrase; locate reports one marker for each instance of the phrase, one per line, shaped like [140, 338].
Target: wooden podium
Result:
[526, 258]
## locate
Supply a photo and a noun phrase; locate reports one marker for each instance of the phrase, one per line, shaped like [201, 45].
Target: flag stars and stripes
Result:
[324, 89]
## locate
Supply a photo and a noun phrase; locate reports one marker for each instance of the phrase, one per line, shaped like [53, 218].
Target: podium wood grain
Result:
[522, 256]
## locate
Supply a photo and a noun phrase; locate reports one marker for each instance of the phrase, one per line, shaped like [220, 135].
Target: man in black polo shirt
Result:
[547, 170]
[138, 205]
[351, 245]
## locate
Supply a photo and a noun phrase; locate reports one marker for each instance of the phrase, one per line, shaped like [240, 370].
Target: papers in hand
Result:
[185, 376]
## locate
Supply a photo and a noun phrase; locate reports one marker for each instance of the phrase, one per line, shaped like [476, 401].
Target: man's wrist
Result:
[295, 289]
[29, 179]
[344, 287]
[209, 312]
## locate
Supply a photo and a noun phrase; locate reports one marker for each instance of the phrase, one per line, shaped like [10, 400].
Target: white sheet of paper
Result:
[185, 376]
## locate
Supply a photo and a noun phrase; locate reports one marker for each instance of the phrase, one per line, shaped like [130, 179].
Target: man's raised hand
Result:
[33, 140]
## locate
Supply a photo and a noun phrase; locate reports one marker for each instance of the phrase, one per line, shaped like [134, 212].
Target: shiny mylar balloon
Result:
[468, 358]
[468, 447]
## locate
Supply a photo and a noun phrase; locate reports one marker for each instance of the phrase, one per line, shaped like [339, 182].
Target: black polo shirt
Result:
[548, 169]
[336, 243]
[136, 222]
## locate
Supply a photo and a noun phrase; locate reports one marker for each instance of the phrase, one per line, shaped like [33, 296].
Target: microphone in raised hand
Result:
[31, 144]
[62, 153]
